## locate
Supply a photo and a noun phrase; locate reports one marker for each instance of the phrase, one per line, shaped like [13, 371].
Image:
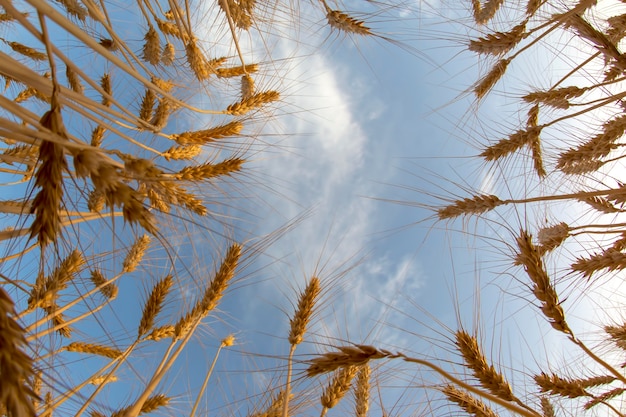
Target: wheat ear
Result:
[489, 378]
[154, 304]
[471, 405]
[299, 323]
[337, 388]
[362, 391]
[492, 77]
[16, 390]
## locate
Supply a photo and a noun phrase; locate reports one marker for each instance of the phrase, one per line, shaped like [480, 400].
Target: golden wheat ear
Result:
[16, 385]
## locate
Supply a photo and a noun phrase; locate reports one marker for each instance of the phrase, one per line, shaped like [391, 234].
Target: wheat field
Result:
[132, 136]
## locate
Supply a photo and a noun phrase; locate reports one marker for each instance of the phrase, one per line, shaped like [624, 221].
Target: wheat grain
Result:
[551, 237]
[610, 259]
[255, 101]
[556, 385]
[182, 152]
[16, 390]
[303, 313]
[236, 71]
[168, 55]
[89, 348]
[152, 47]
[543, 290]
[201, 137]
[49, 178]
[486, 84]
[97, 135]
[161, 333]
[73, 80]
[489, 378]
[547, 408]
[469, 206]
[151, 404]
[558, 98]
[213, 293]
[362, 391]
[338, 386]
[343, 22]
[109, 290]
[135, 254]
[604, 397]
[484, 13]
[499, 43]
[28, 51]
[514, 142]
[154, 304]
[346, 356]
[247, 87]
[169, 28]
[470, 404]
[207, 171]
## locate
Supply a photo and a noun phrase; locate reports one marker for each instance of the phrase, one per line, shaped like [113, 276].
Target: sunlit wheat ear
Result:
[469, 206]
[484, 13]
[303, 313]
[489, 378]
[163, 332]
[602, 205]
[93, 349]
[253, 102]
[471, 405]
[610, 260]
[617, 335]
[598, 146]
[201, 137]
[169, 28]
[586, 31]
[169, 54]
[45, 293]
[239, 12]
[182, 152]
[105, 83]
[543, 290]
[499, 43]
[236, 71]
[346, 356]
[486, 84]
[152, 47]
[96, 201]
[338, 387]
[97, 135]
[513, 143]
[552, 237]
[75, 9]
[200, 66]
[533, 6]
[273, 409]
[362, 391]
[343, 22]
[558, 98]
[154, 304]
[147, 105]
[207, 171]
[213, 293]
[547, 408]
[153, 403]
[16, 390]
[49, 178]
[604, 397]
[27, 51]
[556, 385]
[135, 254]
